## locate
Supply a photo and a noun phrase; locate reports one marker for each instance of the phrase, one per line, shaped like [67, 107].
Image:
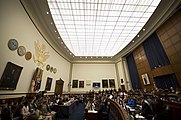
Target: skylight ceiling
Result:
[100, 27]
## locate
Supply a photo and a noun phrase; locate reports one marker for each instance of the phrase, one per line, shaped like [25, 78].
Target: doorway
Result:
[59, 87]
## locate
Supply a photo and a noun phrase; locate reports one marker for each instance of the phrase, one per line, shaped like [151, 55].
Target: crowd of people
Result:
[147, 103]
[39, 107]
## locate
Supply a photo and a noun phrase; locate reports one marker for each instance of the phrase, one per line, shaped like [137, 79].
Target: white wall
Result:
[126, 74]
[94, 73]
[15, 23]
[123, 74]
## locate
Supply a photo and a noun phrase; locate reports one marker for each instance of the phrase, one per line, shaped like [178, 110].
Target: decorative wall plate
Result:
[21, 50]
[28, 55]
[13, 44]
[51, 69]
[48, 67]
[54, 70]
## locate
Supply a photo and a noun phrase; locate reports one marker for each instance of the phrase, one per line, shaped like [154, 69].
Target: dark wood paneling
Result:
[142, 65]
[162, 71]
[170, 36]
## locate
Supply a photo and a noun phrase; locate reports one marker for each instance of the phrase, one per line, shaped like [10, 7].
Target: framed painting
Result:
[81, 84]
[88, 82]
[111, 83]
[10, 76]
[104, 83]
[145, 79]
[75, 84]
[48, 84]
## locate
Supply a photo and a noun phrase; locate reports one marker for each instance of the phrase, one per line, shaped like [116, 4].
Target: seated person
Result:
[146, 109]
[33, 110]
[44, 111]
[5, 113]
[132, 102]
[40, 94]
[25, 111]
[178, 96]
[161, 111]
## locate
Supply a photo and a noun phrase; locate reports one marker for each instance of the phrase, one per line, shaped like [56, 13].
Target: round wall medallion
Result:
[21, 50]
[48, 67]
[51, 69]
[13, 44]
[28, 55]
[54, 70]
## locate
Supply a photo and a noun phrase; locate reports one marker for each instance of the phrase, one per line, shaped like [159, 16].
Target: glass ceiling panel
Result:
[99, 27]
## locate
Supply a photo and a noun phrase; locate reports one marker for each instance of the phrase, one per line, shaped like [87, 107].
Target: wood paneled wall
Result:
[170, 36]
[142, 65]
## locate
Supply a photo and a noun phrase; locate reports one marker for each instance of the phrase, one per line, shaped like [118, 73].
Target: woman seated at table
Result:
[45, 112]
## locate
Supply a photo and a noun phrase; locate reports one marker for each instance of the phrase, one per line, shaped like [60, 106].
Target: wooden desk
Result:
[91, 115]
[176, 109]
[66, 110]
[117, 111]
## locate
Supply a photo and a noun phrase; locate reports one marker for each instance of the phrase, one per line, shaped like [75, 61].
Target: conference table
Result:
[68, 108]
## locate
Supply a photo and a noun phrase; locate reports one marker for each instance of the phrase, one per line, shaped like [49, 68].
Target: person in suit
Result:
[146, 109]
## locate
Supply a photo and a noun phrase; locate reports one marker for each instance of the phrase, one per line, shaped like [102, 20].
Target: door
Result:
[59, 87]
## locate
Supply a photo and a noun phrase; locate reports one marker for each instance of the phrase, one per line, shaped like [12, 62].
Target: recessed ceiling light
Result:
[55, 31]
[58, 37]
[61, 42]
[51, 23]
[64, 46]
[143, 29]
[138, 35]
[47, 12]
[133, 41]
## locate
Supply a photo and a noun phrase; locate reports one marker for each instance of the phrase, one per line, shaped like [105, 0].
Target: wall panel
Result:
[170, 36]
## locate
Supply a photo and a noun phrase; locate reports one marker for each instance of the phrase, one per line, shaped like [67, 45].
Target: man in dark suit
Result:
[147, 110]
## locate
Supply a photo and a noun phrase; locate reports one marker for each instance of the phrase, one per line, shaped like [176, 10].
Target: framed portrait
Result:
[145, 79]
[111, 83]
[75, 84]
[88, 82]
[81, 84]
[48, 84]
[104, 83]
[10, 76]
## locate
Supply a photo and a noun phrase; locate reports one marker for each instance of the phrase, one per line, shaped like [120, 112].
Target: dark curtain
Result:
[166, 81]
[133, 72]
[155, 52]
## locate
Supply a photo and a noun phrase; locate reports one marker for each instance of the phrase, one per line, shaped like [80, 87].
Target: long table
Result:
[66, 110]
